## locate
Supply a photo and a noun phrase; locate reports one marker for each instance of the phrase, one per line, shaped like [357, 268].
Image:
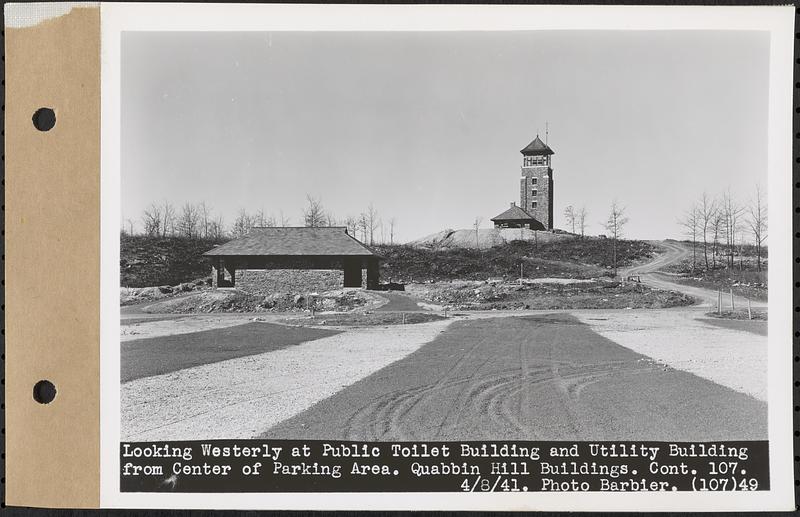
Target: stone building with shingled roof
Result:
[302, 248]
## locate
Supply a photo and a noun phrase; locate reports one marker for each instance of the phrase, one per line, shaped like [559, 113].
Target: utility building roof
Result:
[293, 241]
[537, 148]
[514, 213]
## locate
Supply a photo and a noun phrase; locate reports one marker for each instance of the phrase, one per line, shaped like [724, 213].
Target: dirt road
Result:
[674, 252]
[546, 377]
[398, 303]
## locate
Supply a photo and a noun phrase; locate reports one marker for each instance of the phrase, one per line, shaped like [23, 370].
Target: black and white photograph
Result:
[548, 236]
[441, 236]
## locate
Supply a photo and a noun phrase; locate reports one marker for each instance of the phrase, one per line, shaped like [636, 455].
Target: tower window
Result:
[533, 181]
[533, 204]
[534, 192]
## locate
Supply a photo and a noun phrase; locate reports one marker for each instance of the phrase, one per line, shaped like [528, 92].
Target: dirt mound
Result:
[234, 300]
[601, 293]
[136, 295]
[485, 238]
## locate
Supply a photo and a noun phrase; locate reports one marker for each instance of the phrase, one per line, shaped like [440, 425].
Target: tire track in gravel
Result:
[543, 377]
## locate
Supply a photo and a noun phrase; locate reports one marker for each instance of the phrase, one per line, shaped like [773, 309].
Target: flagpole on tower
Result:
[546, 133]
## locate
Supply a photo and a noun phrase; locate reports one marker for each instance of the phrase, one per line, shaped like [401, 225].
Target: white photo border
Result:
[777, 20]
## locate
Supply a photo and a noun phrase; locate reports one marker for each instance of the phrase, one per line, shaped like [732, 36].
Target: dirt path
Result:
[534, 378]
[674, 252]
[398, 303]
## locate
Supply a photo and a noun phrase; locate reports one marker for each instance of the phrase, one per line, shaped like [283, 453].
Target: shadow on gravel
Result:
[165, 354]
[753, 326]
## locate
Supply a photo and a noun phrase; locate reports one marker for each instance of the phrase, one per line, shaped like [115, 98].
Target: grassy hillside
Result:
[577, 258]
[152, 261]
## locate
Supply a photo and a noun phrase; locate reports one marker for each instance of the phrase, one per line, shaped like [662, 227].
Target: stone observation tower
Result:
[536, 182]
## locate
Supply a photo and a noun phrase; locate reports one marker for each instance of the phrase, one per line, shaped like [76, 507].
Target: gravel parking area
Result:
[681, 339]
[240, 398]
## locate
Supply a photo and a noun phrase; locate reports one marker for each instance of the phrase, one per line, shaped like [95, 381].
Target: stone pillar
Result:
[231, 268]
[373, 274]
[216, 273]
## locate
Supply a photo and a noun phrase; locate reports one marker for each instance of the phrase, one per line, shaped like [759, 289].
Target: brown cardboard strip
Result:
[53, 262]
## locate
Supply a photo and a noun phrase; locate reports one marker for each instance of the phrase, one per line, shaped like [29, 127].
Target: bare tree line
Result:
[722, 225]
[199, 221]
[576, 219]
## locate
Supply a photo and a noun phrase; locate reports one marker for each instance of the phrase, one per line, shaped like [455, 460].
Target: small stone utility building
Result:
[515, 217]
[295, 248]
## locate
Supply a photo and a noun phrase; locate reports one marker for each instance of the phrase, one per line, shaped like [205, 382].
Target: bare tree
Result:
[717, 231]
[363, 226]
[258, 219]
[582, 220]
[129, 230]
[351, 223]
[330, 219]
[758, 223]
[691, 223]
[283, 220]
[216, 228]
[732, 213]
[571, 216]
[205, 218]
[151, 220]
[242, 224]
[314, 214]
[477, 225]
[371, 218]
[706, 211]
[616, 220]
[392, 224]
[188, 221]
[168, 218]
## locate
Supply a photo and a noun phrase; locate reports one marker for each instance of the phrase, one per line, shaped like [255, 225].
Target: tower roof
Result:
[537, 148]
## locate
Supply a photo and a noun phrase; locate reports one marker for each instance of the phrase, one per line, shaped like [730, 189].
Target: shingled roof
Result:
[537, 148]
[514, 213]
[293, 241]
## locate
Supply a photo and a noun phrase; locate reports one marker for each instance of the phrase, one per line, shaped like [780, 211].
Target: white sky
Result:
[428, 126]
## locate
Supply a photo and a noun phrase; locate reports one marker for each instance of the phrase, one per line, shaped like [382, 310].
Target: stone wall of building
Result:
[544, 196]
[265, 282]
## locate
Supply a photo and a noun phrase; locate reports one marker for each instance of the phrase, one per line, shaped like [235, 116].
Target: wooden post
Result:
[404, 318]
[719, 301]
[732, 306]
[749, 310]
